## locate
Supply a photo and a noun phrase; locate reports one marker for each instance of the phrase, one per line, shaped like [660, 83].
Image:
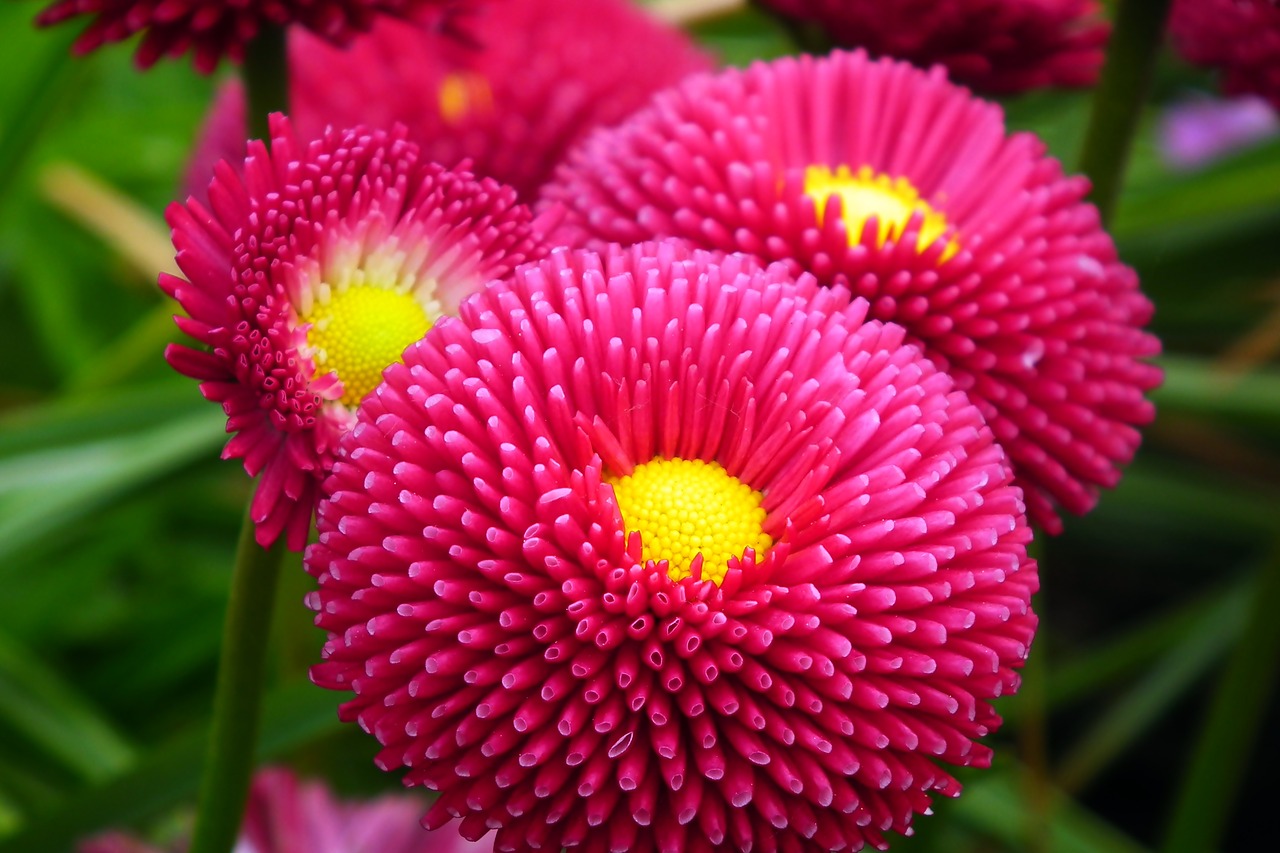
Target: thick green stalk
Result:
[1226, 744]
[1117, 102]
[266, 79]
[237, 700]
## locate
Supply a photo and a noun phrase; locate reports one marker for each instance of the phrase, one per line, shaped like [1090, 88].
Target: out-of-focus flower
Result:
[1241, 38]
[664, 552]
[531, 79]
[212, 29]
[285, 815]
[901, 186]
[997, 46]
[312, 267]
[1198, 131]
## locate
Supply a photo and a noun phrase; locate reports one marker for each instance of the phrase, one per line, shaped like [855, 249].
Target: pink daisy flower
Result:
[286, 815]
[997, 46]
[1239, 37]
[531, 80]
[890, 181]
[309, 271]
[664, 552]
[212, 29]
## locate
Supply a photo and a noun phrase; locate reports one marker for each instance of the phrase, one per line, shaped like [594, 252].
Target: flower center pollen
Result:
[686, 507]
[359, 331]
[864, 194]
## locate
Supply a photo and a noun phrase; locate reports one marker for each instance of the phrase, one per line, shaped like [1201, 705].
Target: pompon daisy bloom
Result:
[1239, 37]
[312, 267]
[287, 815]
[531, 80]
[212, 29]
[664, 552]
[891, 181]
[996, 46]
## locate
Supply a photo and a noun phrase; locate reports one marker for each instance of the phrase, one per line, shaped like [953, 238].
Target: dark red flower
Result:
[212, 29]
[1239, 37]
[997, 46]
[665, 552]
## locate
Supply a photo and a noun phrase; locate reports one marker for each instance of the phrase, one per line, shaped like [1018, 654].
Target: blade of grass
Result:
[295, 715]
[48, 490]
[1224, 747]
[51, 714]
[1183, 665]
[993, 805]
[1119, 658]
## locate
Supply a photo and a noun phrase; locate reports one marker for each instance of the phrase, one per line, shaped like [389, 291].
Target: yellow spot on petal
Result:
[357, 332]
[462, 94]
[686, 507]
[864, 194]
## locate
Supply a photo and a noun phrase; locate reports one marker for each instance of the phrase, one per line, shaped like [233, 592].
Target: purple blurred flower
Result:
[1195, 132]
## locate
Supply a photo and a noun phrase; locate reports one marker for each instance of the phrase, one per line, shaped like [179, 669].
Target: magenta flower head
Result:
[1241, 38]
[532, 79]
[287, 815]
[892, 182]
[664, 552]
[996, 46]
[212, 29]
[312, 267]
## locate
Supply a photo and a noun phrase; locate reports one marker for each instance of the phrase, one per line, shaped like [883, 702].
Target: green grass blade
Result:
[1224, 748]
[294, 716]
[36, 702]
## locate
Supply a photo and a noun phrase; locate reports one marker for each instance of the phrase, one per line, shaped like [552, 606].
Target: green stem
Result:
[1117, 103]
[237, 698]
[1033, 727]
[1225, 747]
[266, 79]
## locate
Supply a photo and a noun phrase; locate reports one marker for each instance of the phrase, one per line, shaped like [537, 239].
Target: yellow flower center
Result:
[359, 331]
[462, 93]
[686, 507]
[892, 201]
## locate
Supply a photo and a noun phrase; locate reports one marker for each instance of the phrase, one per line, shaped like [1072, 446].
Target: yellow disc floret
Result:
[463, 95]
[864, 194]
[359, 331]
[686, 507]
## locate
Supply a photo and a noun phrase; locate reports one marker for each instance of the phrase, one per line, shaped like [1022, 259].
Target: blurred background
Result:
[1150, 688]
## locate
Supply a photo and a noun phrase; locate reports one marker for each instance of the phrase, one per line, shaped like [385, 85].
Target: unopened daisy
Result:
[665, 552]
[888, 180]
[309, 271]
[997, 46]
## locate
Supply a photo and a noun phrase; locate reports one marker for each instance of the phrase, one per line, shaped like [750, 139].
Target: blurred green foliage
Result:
[117, 520]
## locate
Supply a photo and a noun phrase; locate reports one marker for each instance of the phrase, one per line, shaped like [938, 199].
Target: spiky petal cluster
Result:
[290, 227]
[533, 78]
[287, 815]
[997, 46]
[1239, 37]
[212, 29]
[1022, 298]
[507, 643]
